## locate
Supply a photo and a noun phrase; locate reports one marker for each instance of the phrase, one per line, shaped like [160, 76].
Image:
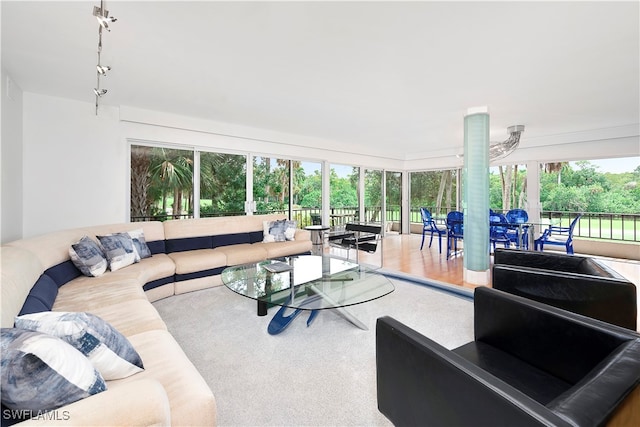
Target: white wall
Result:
[12, 160]
[75, 173]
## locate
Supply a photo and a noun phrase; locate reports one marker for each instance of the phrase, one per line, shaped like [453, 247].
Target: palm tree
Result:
[172, 172]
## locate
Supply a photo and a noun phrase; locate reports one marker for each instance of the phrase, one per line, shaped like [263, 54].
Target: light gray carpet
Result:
[321, 375]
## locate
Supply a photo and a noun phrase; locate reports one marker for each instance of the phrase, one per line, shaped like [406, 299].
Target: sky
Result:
[625, 164]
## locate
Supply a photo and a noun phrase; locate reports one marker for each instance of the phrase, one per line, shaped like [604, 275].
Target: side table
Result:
[317, 238]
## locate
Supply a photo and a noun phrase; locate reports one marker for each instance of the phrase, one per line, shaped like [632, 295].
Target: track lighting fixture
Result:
[102, 15]
[104, 21]
[102, 69]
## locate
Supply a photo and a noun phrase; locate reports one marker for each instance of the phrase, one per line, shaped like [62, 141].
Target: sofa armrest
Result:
[605, 298]
[419, 382]
[545, 260]
[563, 344]
[136, 403]
[302, 234]
[595, 399]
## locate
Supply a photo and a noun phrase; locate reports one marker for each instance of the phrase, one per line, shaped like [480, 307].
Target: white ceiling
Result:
[395, 77]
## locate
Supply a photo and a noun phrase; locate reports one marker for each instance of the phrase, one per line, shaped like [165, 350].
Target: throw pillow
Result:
[118, 249]
[274, 231]
[290, 229]
[87, 256]
[41, 372]
[139, 244]
[109, 351]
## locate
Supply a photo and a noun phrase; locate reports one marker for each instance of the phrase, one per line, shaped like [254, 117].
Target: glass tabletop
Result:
[319, 282]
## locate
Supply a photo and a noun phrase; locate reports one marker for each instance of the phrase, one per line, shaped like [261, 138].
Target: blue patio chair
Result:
[498, 230]
[555, 235]
[517, 217]
[455, 230]
[429, 226]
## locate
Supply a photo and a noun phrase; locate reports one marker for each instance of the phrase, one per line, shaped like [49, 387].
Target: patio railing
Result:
[592, 225]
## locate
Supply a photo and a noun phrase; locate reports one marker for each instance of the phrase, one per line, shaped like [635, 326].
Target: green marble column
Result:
[475, 200]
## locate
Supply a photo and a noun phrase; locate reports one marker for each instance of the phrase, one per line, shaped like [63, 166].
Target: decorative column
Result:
[475, 200]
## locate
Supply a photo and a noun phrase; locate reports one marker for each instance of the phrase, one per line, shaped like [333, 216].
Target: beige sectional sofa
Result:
[187, 255]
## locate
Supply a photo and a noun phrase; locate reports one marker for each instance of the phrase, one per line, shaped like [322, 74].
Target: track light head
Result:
[99, 92]
[105, 21]
[102, 15]
[102, 69]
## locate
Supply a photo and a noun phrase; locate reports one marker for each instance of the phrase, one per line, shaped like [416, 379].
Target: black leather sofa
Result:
[530, 364]
[579, 284]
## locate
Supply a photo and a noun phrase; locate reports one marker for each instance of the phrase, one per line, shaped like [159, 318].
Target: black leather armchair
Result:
[579, 284]
[530, 364]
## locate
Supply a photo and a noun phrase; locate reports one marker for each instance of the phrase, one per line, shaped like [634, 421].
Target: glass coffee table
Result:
[306, 283]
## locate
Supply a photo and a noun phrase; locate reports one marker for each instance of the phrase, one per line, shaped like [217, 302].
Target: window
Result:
[393, 199]
[373, 195]
[271, 185]
[307, 192]
[223, 184]
[435, 190]
[343, 194]
[161, 183]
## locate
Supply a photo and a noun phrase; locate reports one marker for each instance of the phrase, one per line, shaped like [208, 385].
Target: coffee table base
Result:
[280, 322]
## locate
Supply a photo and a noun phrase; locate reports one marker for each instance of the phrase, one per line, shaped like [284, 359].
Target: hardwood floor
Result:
[402, 253]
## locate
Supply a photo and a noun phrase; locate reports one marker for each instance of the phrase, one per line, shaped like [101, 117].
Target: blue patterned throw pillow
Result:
[118, 249]
[87, 256]
[279, 231]
[41, 372]
[139, 244]
[109, 351]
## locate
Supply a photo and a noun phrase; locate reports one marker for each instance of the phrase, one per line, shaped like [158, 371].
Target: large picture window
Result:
[223, 184]
[161, 183]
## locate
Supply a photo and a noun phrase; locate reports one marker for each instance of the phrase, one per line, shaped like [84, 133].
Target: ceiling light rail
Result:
[102, 15]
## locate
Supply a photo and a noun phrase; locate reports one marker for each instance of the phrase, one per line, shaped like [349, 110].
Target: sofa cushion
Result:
[157, 247]
[198, 260]
[190, 398]
[159, 266]
[41, 372]
[232, 239]
[88, 257]
[41, 297]
[535, 383]
[19, 270]
[243, 254]
[109, 351]
[63, 273]
[281, 249]
[85, 294]
[130, 317]
[118, 248]
[189, 244]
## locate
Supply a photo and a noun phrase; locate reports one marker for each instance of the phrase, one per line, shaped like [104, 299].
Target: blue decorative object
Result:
[561, 236]
[280, 322]
[455, 230]
[429, 226]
